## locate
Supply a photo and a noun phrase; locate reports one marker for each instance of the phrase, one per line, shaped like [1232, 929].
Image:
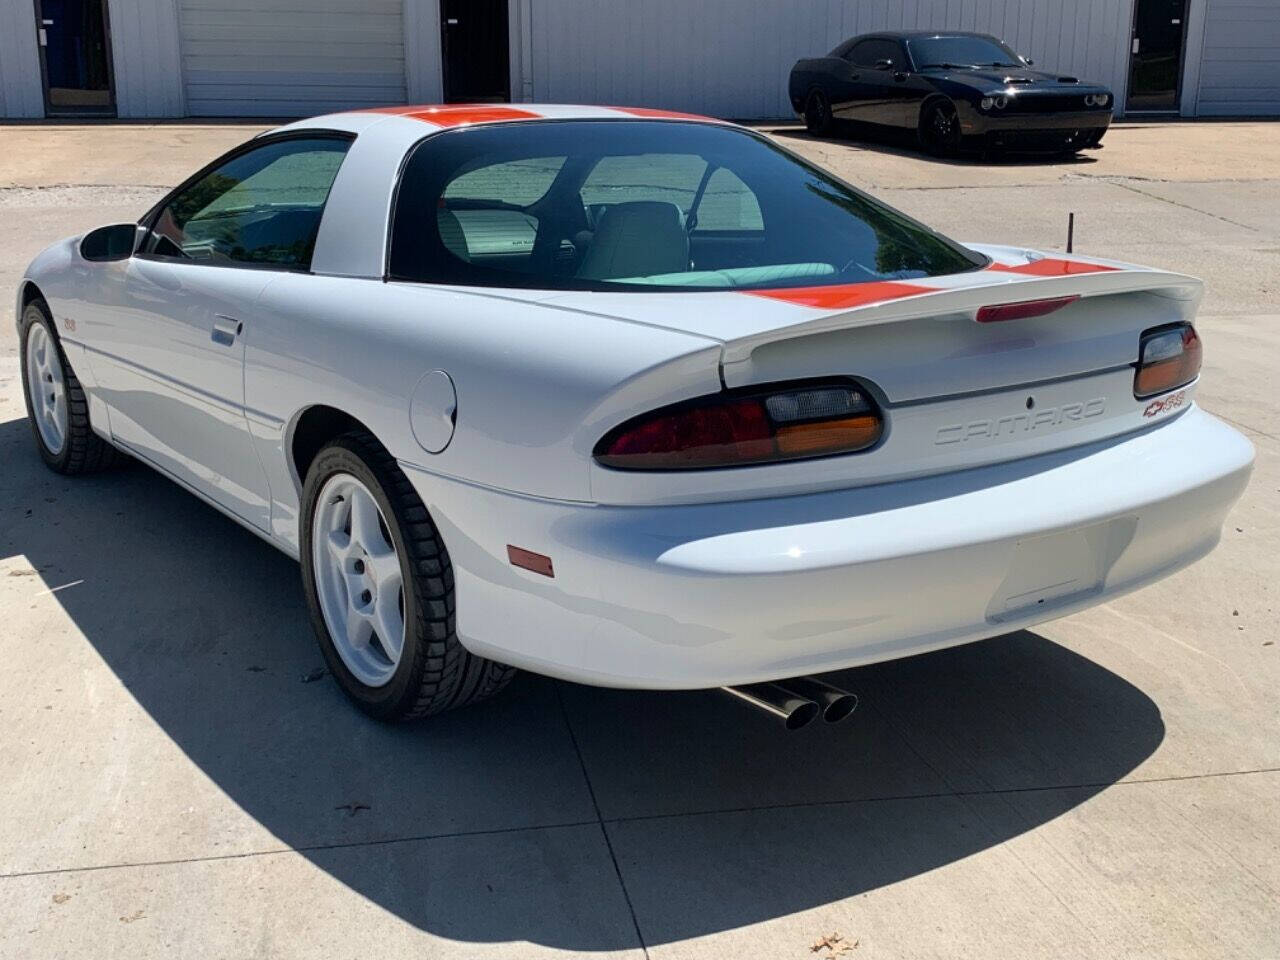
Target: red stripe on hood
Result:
[844, 295]
[456, 116]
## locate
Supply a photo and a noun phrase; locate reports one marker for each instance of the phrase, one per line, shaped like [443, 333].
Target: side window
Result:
[261, 207]
[481, 218]
[870, 52]
[519, 183]
[728, 204]
[660, 177]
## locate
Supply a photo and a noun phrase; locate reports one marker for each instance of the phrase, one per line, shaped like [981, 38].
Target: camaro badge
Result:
[1020, 422]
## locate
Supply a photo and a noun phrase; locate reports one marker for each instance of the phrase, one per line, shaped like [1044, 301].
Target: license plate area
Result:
[1057, 569]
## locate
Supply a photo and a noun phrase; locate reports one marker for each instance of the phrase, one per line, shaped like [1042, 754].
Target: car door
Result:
[172, 370]
[876, 96]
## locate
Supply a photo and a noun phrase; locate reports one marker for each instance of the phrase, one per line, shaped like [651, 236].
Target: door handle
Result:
[1136, 44]
[226, 329]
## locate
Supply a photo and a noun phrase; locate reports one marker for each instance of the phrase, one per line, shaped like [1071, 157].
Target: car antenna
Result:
[1071, 231]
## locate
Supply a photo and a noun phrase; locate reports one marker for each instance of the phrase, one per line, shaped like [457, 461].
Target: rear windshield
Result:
[615, 205]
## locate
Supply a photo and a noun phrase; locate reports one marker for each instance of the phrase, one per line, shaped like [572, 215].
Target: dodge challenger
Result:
[629, 398]
[951, 90]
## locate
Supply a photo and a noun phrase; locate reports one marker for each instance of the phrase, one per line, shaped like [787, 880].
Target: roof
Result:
[467, 114]
[929, 34]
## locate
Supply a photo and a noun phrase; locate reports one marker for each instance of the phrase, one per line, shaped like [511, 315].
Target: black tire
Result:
[83, 451]
[939, 129]
[435, 672]
[818, 119]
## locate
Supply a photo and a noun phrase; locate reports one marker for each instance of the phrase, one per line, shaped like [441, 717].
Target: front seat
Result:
[639, 238]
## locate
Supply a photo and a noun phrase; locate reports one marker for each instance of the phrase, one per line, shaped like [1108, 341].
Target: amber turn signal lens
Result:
[814, 439]
[1168, 358]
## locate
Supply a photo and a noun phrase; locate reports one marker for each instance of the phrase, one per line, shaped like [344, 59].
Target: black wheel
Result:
[817, 114]
[940, 129]
[379, 588]
[56, 405]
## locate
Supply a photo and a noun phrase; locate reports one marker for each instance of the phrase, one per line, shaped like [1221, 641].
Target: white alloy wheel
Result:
[359, 580]
[46, 389]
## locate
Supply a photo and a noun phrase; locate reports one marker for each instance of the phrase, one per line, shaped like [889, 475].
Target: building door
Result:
[75, 56]
[1155, 60]
[477, 64]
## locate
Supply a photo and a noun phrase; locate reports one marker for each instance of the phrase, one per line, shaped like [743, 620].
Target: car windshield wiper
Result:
[949, 66]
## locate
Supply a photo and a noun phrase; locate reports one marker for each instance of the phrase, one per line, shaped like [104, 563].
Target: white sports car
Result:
[626, 397]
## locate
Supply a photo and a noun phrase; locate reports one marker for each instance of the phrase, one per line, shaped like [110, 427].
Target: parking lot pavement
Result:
[178, 778]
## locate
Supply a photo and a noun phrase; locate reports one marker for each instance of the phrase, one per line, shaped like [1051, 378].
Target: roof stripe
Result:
[456, 115]
[663, 114]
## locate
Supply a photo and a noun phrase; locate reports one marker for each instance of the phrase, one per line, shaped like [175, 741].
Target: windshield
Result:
[952, 52]
[609, 204]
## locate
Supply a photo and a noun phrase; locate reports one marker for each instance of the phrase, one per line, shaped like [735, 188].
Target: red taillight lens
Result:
[727, 430]
[1168, 358]
[1022, 310]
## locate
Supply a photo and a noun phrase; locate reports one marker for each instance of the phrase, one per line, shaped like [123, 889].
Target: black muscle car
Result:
[953, 89]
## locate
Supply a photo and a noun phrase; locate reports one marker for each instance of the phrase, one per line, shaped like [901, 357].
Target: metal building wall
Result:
[1238, 73]
[731, 57]
[280, 58]
[146, 59]
[21, 89]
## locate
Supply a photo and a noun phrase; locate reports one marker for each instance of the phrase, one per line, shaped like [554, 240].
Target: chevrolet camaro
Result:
[626, 397]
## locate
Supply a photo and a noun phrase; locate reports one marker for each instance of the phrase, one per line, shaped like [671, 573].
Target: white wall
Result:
[146, 58]
[1238, 73]
[21, 89]
[423, 80]
[731, 58]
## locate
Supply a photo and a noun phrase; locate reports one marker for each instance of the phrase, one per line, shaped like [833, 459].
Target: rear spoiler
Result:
[955, 297]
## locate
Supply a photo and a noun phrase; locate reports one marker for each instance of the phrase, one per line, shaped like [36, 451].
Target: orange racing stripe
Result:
[457, 115]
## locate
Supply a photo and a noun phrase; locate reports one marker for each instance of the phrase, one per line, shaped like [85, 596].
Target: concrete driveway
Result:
[178, 777]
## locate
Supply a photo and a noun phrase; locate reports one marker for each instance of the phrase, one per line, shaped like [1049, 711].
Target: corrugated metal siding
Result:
[146, 59]
[727, 58]
[1240, 62]
[21, 89]
[286, 58]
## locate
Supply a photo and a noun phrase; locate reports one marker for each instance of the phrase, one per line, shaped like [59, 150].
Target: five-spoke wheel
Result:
[56, 404]
[940, 132]
[46, 389]
[379, 586]
[359, 580]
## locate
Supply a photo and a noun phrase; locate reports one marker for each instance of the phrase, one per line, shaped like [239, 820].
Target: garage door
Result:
[1238, 71]
[291, 58]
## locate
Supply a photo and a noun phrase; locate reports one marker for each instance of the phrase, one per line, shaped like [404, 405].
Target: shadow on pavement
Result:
[480, 826]
[903, 144]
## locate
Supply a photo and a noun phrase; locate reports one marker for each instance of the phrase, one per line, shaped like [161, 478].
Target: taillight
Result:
[732, 430]
[1168, 358]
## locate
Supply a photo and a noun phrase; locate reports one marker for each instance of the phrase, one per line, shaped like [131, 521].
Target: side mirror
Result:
[115, 242]
[884, 64]
[1028, 61]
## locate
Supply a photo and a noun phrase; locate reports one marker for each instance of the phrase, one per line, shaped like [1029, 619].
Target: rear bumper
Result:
[702, 595]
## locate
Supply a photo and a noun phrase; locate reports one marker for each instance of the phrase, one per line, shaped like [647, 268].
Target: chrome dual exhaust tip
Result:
[799, 701]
